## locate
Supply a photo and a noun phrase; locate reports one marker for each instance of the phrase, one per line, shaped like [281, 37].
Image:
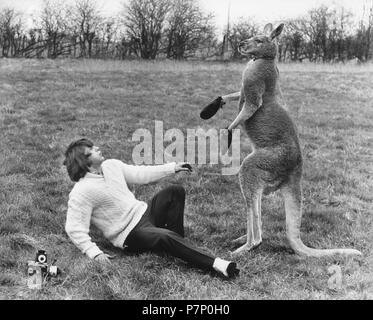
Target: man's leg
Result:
[167, 209]
[150, 238]
[161, 229]
[146, 237]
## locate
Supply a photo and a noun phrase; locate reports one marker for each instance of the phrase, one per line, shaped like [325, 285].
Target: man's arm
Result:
[147, 174]
[77, 225]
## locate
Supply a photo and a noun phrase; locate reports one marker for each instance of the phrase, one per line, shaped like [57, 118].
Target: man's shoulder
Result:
[112, 162]
[78, 188]
[113, 165]
[83, 186]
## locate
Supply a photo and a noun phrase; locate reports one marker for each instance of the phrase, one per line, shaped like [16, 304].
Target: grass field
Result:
[44, 105]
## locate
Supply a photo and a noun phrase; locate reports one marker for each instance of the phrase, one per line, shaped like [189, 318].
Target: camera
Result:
[38, 270]
[41, 257]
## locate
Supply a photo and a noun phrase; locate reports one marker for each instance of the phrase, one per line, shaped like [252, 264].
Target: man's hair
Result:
[76, 162]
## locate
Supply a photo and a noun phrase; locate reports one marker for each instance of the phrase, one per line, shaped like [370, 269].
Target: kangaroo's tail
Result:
[292, 194]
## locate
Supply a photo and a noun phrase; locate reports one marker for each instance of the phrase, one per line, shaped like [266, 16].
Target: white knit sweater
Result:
[106, 202]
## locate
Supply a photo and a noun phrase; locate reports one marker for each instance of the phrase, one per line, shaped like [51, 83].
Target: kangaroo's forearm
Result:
[232, 96]
[246, 112]
[241, 102]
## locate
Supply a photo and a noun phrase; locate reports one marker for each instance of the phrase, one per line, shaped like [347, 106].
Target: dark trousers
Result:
[161, 229]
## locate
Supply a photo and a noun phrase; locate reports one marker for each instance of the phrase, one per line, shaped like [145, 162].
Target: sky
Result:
[262, 11]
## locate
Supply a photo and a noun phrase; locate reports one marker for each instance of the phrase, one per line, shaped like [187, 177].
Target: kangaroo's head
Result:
[263, 45]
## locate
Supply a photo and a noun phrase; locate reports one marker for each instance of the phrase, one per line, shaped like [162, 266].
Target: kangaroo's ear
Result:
[268, 29]
[275, 33]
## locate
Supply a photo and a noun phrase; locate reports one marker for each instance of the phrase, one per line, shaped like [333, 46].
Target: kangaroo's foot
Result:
[244, 238]
[247, 247]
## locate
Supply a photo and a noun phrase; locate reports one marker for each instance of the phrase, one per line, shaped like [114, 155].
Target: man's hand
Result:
[183, 166]
[104, 258]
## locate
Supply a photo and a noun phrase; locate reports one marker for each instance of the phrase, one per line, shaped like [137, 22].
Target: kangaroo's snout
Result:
[246, 47]
[259, 47]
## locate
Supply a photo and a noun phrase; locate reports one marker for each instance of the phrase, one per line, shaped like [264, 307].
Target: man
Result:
[101, 197]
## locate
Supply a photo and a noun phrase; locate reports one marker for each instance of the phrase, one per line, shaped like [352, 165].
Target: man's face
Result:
[94, 155]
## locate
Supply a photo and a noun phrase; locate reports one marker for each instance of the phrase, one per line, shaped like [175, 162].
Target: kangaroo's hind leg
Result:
[292, 195]
[254, 221]
[251, 187]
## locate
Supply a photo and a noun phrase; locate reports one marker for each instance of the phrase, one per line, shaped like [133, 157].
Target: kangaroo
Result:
[275, 162]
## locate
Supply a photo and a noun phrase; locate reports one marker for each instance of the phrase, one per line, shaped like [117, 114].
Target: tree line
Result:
[176, 29]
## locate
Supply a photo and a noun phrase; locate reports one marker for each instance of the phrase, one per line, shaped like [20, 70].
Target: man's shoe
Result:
[232, 270]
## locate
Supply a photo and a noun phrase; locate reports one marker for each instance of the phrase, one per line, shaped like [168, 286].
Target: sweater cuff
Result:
[172, 166]
[93, 252]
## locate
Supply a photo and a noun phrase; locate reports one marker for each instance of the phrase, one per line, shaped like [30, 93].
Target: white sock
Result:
[221, 265]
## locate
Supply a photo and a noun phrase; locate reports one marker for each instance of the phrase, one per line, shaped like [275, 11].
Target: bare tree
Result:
[11, 32]
[338, 31]
[368, 53]
[241, 30]
[107, 38]
[292, 43]
[85, 21]
[364, 35]
[187, 29]
[317, 28]
[144, 21]
[54, 25]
